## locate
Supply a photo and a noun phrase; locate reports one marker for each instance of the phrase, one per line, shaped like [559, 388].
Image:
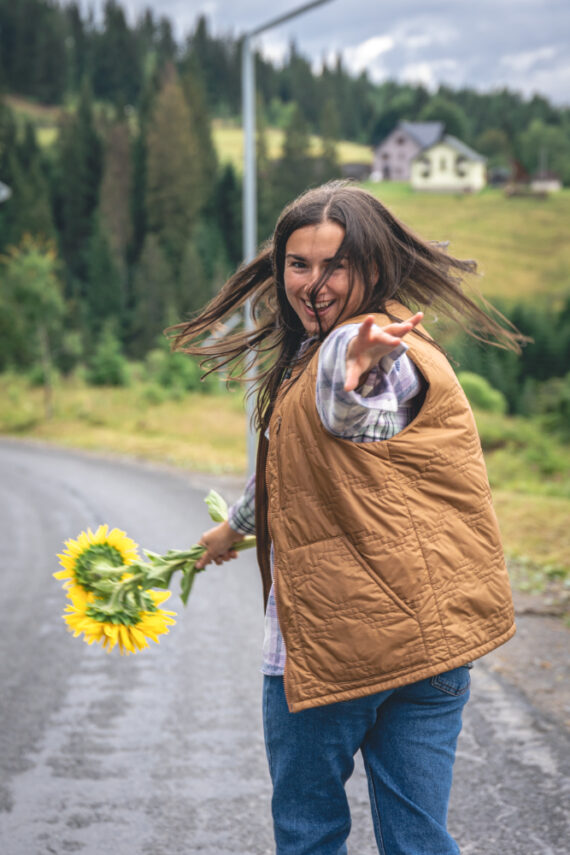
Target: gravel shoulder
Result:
[536, 661]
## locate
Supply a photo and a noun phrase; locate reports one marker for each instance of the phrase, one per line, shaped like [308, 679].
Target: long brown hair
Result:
[388, 258]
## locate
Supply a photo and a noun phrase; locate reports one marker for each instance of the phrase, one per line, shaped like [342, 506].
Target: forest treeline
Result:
[127, 218]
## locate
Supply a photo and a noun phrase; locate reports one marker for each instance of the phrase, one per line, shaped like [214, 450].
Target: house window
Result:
[443, 164]
[400, 140]
[461, 166]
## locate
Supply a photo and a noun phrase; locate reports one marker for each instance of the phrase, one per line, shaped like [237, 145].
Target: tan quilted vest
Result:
[388, 560]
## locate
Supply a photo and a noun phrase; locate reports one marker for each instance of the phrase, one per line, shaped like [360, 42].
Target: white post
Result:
[249, 211]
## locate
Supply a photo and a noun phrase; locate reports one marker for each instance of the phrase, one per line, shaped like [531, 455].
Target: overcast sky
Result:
[483, 44]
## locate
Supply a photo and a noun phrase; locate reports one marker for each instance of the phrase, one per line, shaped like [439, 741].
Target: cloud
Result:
[514, 43]
[367, 54]
[430, 74]
[525, 61]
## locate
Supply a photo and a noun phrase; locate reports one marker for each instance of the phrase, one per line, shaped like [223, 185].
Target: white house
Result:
[393, 157]
[448, 166]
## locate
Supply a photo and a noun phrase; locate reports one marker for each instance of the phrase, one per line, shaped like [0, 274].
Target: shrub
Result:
[175, 370]
[481, 394]
[108, 367]
[37, 376]
[553, 404]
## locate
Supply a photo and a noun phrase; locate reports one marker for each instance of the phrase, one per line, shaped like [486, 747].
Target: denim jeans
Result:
[407, 737]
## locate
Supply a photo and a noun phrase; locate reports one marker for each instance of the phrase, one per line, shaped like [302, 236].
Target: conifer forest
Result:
[122, 219]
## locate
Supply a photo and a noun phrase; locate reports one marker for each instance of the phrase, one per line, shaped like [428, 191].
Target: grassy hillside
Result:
[228, 139]
[521, 244]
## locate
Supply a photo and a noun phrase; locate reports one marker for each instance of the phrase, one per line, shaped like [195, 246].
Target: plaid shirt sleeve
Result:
[241, 515]
[382, 406]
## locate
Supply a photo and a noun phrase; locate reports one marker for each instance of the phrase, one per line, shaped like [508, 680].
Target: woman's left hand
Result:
[370, 344]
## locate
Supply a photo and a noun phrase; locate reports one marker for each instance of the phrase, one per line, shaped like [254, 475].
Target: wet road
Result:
[162, 752]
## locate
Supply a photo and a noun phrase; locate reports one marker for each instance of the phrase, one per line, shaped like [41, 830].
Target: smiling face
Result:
[308, 252]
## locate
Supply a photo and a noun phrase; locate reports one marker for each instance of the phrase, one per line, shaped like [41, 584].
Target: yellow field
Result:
[228, 139]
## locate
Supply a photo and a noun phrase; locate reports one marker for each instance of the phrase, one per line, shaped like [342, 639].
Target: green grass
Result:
[528, 472]
[520, 244]
[198, 432]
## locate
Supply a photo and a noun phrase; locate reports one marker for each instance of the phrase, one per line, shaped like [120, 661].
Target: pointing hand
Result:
[370, 344]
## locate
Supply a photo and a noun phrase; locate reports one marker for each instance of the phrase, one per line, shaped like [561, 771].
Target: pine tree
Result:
[28, 210]
[200, 121]
[78, 47]
[329, 127]
[104, 296]
[117, 69]
[116, 191]
[228, 211]
[79, 176]
[294, 172]
[174, 189]
[154, 297]
[265, 202]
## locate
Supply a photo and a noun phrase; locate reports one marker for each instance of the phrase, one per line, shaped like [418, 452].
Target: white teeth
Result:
[318, 305]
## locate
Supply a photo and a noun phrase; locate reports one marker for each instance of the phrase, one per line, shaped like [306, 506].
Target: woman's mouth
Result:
[319, 307]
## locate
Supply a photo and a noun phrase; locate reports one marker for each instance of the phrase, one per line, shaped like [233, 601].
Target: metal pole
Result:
[250, 177]
[249, 212]
[287, 16]
[249, 170]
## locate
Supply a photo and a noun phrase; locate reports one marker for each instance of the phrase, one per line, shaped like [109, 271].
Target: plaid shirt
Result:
[382, 407]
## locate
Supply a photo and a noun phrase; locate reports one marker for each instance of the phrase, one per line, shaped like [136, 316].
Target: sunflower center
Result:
[86, 563]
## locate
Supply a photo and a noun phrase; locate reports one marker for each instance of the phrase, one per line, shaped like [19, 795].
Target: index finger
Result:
[403, 327]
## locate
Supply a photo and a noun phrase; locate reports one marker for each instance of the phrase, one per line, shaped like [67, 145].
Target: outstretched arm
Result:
[370, 344]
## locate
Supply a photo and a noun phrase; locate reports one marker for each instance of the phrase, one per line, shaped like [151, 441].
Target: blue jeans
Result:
[407, 737]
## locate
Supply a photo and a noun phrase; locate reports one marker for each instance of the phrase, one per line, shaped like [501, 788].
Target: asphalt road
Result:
[162, 753]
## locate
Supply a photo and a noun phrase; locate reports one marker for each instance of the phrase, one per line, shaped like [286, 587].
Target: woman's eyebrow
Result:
[303, 258]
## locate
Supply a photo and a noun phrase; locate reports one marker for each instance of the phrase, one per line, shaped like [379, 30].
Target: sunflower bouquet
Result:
[111, 590]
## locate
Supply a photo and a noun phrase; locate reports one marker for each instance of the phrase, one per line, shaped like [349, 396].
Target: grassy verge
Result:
[527, 468]
[528, 472]
[200, 432]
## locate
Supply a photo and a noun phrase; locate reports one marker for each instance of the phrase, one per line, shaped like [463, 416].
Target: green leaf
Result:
[186, 585]
[217, 506]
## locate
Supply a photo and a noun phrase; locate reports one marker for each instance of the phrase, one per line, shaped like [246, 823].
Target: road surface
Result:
[162, 753]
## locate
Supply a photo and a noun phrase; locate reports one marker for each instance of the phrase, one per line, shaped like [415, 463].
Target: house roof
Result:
[463, 149]
[424, 133]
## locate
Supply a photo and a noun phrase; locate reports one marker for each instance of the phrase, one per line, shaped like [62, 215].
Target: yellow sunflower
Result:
[128, 629]
[112, 548]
